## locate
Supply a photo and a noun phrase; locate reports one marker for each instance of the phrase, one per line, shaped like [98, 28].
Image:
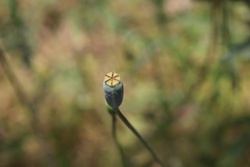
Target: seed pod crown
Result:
[113, 89]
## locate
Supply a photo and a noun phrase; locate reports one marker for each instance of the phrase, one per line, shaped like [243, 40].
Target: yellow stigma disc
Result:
[112, 79]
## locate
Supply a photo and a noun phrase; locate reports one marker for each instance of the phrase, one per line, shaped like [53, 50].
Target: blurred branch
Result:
[160, 14]
[42, 91]
[24, 100]
[14, 33]
[13, 144]
[128, 124]
[229, 62]
[14, 81]
[236, 50]
[203, 70]
[227, 39]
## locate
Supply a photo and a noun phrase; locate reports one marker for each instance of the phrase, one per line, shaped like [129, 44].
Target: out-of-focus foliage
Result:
[184, 65]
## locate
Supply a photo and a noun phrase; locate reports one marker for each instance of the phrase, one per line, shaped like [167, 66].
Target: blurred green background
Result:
[184, 65]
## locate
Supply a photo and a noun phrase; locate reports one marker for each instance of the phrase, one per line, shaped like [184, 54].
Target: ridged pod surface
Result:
[113, 89]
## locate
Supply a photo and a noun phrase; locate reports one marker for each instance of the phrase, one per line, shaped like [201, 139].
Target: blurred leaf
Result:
[237, 51]
[14, 34]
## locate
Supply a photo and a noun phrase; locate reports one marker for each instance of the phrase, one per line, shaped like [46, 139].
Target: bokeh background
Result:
[184, 65]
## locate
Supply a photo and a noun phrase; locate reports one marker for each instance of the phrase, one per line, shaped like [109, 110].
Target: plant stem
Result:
[130, 126]
[119, 147]
[13, 80]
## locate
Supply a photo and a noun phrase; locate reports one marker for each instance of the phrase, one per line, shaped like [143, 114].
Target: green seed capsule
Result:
[113, 89]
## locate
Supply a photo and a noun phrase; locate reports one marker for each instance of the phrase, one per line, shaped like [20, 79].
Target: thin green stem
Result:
[130, 126]
[118, 145]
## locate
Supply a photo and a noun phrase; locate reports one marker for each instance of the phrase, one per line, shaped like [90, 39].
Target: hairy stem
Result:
[128, 124]
[118, 145]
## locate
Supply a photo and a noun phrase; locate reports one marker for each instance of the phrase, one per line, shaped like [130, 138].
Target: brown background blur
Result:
[184, 65]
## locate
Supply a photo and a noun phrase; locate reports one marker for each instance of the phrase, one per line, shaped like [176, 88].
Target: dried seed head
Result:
[113, 89]
[112, 79]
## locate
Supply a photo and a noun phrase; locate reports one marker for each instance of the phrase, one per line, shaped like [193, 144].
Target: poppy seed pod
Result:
[113, 89]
